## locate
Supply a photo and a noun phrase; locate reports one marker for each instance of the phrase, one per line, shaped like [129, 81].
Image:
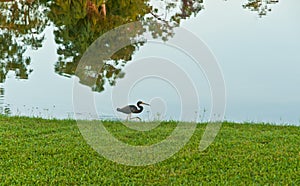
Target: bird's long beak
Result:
[146, 104]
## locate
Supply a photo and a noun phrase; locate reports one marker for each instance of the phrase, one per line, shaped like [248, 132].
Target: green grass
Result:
[38, 151]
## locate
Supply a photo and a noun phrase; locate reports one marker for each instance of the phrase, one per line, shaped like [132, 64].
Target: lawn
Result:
[39, 151]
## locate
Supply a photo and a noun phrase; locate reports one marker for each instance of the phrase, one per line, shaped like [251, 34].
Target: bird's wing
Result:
[133, 108]
[125, 109]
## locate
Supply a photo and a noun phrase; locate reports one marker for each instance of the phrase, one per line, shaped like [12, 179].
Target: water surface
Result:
[256, 45]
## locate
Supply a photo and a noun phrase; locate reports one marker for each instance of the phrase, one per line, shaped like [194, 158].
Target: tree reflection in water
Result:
[78, 23]
[260, 6]
[21, 25]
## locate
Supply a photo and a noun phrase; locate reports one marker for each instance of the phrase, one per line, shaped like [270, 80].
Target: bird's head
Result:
[142, 103]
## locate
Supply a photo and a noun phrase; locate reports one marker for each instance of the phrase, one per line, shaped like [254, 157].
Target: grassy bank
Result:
[37, 151]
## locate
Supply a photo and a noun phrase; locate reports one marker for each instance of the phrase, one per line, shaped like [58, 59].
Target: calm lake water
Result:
[256, 44]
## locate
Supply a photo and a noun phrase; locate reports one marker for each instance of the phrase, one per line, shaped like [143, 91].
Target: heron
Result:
[129, 109]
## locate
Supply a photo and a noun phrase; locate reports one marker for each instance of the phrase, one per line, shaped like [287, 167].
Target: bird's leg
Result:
[136, 118]
[128, 117]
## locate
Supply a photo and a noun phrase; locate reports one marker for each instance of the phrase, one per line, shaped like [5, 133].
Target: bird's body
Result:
[129, 109]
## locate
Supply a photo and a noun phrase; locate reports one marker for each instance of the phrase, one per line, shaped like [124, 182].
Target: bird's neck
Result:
[140, 107]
